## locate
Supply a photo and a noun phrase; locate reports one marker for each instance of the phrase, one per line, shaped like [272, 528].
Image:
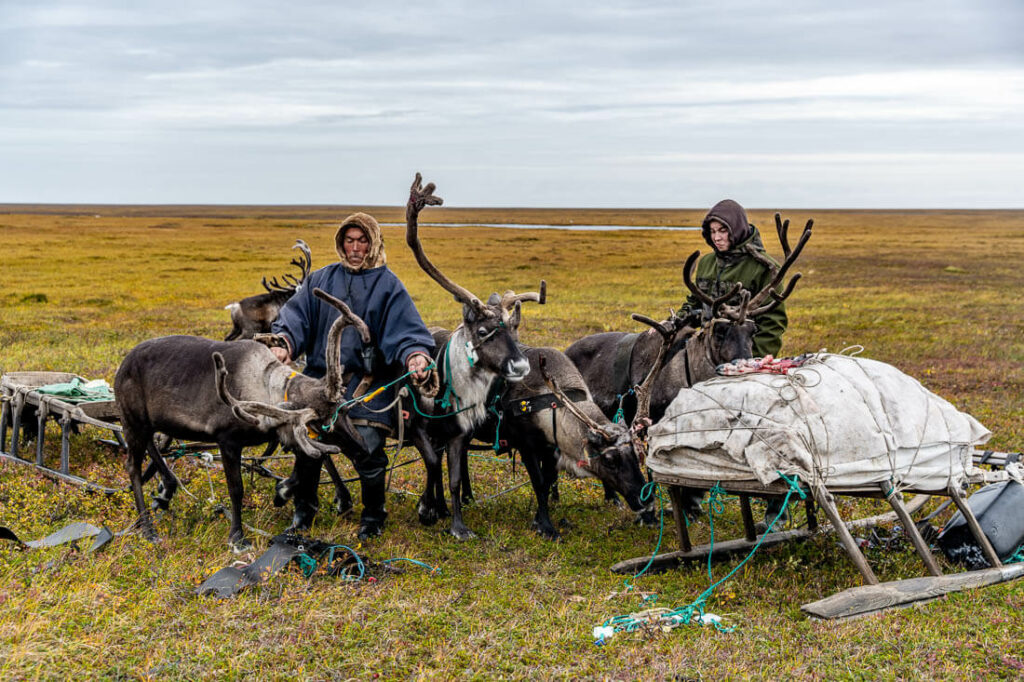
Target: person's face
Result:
[719, 235]
[354, 245]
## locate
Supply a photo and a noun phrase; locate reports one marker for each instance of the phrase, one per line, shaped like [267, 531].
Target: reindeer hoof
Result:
[545, 529]
[241, 545]
[342, 505]
[283, 491]
[427, 514]
[160, 503]
[462, 533]
[647, 518]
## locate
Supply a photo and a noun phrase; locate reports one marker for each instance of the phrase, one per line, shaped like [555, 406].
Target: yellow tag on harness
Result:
[370, 396]
[286, 385]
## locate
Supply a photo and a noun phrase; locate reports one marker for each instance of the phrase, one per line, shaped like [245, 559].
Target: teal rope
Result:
[416, 407]
[346, 403]
[620, 415]
[694, 611]
[416, 562]
[645, 494]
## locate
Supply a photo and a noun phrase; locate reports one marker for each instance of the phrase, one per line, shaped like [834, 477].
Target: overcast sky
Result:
[599, 103]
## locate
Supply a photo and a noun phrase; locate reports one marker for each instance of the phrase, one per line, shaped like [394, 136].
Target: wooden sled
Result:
[18, 391]
[868, 598]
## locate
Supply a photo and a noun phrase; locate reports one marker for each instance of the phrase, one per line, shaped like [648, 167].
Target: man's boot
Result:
[371, 521]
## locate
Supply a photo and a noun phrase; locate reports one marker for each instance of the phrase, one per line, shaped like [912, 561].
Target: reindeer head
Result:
[491, 330]
[610, 449]
[312, 403]
[726, 331]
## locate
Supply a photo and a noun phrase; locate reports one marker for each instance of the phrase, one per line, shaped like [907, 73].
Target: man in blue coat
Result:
[400, 342]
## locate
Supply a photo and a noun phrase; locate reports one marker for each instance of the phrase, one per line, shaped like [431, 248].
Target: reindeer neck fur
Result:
[471, 383]
[700, 366]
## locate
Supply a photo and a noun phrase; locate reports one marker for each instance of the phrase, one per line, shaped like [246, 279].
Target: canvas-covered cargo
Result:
[845, 421]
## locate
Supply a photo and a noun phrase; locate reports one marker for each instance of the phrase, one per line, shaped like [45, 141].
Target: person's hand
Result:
[417, 364]
[280, 353]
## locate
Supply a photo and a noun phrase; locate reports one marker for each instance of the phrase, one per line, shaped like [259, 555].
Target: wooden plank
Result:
[748, 518]
[825, 500]
[675, 493]
[972, 523]
[700, 552]
[866, 599]
[673, 559]
[910, 528]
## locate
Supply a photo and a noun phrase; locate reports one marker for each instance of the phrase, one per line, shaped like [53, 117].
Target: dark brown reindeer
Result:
[472, 359]
[552, 421]
[254, 314]
[612, 362]
[234, 393]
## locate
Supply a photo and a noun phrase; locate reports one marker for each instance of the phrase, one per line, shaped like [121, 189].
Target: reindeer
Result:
[556, 426]
[254, 314]
[475, 356]
[185, 387]
[612, 362]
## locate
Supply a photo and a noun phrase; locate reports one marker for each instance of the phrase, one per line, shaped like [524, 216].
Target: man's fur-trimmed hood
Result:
[375, 256]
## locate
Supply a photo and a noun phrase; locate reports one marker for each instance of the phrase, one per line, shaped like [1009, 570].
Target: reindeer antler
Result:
[778, 273]
[643, 390]
[641, 420]
[249, 411]
[510, 298]
[303, 262]
[419, 197]
[713, 303]
[569, 404]
[335, 370]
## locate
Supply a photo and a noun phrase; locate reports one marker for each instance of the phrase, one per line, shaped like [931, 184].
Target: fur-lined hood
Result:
[375, 256]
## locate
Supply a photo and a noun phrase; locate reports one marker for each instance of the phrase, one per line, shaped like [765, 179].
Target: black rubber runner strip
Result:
[8, 534]
[228, 581]
[70, 533]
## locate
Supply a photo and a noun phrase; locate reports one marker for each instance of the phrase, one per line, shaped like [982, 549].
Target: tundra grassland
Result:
[935, 293]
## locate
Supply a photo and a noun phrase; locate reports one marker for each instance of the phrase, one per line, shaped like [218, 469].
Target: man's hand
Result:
[280, 353]
[417, 364]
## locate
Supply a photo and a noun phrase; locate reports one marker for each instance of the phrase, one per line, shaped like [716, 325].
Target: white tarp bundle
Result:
[846, 421]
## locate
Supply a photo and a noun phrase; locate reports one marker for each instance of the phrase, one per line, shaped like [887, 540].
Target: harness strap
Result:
[545, 401]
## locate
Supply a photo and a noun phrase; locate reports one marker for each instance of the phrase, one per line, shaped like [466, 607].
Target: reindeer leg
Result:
[611, 497]
[427, 507]
[168, 481]
[231, 459]
[137, 449]
[467, 490]
[342, 497]
[541, 488]
[306, 492]
[456, 473]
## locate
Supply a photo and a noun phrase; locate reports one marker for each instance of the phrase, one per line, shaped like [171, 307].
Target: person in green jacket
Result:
[727, 231]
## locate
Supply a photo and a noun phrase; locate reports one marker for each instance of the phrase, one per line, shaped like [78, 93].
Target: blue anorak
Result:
[378, 297]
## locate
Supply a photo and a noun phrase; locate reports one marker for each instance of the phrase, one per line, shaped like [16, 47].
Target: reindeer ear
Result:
[469, 314]
[595, 439]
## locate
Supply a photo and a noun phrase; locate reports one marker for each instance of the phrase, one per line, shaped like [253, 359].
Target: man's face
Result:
[719, 235]
[354, 245]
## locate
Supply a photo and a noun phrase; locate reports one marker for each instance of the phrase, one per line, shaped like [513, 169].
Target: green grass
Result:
[935, 293]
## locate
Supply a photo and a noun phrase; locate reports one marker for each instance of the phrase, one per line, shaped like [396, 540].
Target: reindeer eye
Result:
[482, 332]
